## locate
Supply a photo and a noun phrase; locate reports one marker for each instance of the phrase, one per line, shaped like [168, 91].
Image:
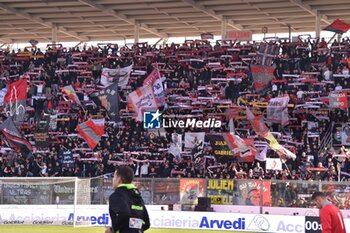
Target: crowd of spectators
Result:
[189, 70]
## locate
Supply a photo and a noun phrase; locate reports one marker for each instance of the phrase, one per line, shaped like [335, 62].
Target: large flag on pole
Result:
[122, 75]
[72, 95]
[15, 100]
[277, 110]
[14, 139]
[141, 100]
[338, 26]
[257, 123]
[109, 99]
[155, 81]
[261, 129]
[283, 152]
[242, 148]
[91, 131]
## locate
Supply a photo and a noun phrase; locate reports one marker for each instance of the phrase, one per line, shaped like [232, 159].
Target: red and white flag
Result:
[257, 123]
[15, 100]
[242, 148]
[91, 131]
[277, 110]
[141, 100]
[154, 80]
[72, 95]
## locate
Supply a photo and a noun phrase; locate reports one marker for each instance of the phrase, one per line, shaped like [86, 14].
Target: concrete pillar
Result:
[318, 26]
[54, 34]
[223, 28]
[136, 33]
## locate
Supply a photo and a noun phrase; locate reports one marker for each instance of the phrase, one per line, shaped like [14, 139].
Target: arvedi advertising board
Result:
[97, 215]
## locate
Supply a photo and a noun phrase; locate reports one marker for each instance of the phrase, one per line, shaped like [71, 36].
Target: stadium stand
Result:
[62, 85]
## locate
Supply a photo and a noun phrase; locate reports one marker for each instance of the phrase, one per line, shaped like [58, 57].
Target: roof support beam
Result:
[122, 17]
[38, 20]
[213, 14]
[308, 8]
[23, 32]
[169, 15]
[269, 15]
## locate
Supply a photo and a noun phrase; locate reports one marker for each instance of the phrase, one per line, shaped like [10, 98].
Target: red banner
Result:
[239, 35]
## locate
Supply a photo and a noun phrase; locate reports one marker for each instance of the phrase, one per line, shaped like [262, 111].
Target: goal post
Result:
[68, 201]
[90, 203]
[44, 201]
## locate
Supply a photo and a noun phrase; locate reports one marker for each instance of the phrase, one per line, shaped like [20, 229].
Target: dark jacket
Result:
[127, 210]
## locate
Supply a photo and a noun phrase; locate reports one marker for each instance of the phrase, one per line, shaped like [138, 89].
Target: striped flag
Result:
[91, 131]
[242, 148]
[72, 95]
[14, 139]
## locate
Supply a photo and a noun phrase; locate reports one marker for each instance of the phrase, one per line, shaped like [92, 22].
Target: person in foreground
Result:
[332, 220]
[126, 207]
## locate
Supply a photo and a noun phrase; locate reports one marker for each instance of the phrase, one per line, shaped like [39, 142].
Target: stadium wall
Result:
[97, 215]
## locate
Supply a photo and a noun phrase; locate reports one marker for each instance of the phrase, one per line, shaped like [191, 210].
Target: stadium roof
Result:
[84, 20]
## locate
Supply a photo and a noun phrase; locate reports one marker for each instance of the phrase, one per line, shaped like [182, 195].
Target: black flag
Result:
[15, 139]
[109, 99]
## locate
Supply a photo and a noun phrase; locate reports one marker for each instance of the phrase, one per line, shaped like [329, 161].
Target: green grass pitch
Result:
[67, 229]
